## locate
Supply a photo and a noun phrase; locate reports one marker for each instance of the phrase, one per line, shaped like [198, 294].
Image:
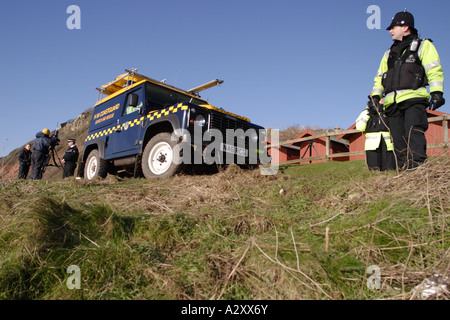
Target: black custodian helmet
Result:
[403, 19]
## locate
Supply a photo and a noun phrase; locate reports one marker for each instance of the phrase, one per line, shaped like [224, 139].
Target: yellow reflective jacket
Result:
[361, 121]
[373, 140]
[431, 63]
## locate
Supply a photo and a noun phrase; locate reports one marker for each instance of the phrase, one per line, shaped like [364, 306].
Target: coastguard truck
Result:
[141, 126]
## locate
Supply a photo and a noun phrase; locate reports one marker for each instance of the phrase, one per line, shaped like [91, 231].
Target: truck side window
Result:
[130, 109]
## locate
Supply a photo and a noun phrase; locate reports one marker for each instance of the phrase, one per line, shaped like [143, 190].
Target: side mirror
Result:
[133, 100]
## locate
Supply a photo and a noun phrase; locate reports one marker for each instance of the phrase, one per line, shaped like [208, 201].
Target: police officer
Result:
[70, 159]
[24, 161]
[406, 69]
[41, 148]
[378, 143]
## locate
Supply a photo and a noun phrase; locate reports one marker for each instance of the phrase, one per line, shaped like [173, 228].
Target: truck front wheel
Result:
[95, 166]
[158, 157]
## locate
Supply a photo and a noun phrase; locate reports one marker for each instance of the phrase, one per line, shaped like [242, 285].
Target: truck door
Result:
[126, 137]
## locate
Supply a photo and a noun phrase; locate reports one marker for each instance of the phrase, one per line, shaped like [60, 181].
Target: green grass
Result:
[231, 235]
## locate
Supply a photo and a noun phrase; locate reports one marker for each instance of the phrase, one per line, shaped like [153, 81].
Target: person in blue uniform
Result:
[70, 159]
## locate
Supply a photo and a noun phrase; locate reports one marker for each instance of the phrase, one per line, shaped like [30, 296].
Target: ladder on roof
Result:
[131, 76]
[117, 83]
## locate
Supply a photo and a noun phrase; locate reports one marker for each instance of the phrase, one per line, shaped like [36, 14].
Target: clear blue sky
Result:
[283, 62]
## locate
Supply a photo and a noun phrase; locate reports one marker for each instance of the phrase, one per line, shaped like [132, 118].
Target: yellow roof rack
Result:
[131, 79]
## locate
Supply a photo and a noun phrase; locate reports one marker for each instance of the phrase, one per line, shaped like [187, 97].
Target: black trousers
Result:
[38, 159]
[23, 170]
[408, 126]
[69, 169]
[380, 159]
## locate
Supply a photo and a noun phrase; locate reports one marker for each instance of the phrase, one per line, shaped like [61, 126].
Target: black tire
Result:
[158, 157]
[95, 166]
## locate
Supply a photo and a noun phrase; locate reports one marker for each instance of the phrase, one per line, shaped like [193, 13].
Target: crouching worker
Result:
[378, 145]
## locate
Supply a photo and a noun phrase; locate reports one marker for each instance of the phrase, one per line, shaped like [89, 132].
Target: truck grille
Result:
[222, 123]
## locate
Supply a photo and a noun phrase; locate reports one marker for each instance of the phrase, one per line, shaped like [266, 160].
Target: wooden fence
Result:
[328, 134]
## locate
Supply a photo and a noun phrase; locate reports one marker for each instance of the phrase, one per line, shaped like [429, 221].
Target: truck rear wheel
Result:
[158, 157]
[95, 166]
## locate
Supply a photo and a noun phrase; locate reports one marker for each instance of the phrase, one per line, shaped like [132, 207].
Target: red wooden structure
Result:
[435, 135]
[310, 148]
[348, 145]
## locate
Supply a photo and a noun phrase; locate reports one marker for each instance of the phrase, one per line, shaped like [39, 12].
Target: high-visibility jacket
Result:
[429, 59]
[373, 140]
[371, 122]
[361, 121]
[375, 131]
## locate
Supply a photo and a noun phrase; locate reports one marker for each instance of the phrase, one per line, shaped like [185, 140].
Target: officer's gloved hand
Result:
[373, 104]
[436, 100]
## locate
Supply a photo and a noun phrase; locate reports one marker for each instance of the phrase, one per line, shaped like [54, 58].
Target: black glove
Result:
[436, 100]
[374, 104]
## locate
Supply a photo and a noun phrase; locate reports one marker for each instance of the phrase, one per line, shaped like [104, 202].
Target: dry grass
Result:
[232, 235]
[410, 226]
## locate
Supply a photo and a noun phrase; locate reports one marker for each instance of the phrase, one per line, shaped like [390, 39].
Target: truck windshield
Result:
[160, 97]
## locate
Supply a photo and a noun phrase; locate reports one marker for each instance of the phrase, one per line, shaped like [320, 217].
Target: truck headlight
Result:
[200, 120]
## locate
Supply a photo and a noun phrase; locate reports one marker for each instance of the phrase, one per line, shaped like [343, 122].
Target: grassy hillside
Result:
[232, 235]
